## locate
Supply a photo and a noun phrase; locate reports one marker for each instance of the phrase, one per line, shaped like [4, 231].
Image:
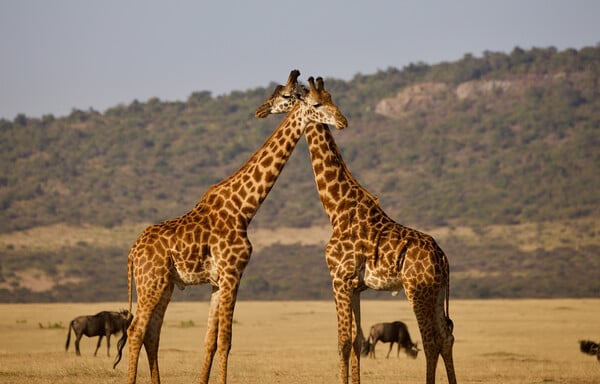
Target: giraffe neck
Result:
[242, 193]
[338, 189]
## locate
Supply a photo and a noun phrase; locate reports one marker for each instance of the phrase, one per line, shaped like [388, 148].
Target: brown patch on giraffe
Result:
[267, 161]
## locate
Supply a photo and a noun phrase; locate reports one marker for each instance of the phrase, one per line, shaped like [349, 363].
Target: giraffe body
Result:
[209, 244]
[368, 249]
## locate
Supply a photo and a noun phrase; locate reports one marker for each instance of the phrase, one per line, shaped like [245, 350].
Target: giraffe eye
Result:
[286, 96]
[317, 105]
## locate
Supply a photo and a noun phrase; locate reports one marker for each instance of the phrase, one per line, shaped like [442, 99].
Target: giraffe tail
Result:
[130, 282]
[447, 299]
[121, 343]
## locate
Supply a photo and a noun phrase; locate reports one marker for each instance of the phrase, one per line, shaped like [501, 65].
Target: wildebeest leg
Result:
[390, 350]
[108, 344]
[79, 335]
[98, 344]
[107, 331]
[372, 348]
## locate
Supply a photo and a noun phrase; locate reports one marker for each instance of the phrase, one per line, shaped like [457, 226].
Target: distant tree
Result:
[77, 115]
[20, 119]
[47, 119]
[199, 97]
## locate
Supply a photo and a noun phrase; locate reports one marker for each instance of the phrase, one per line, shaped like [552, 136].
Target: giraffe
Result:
[368, 249]
[209, 244]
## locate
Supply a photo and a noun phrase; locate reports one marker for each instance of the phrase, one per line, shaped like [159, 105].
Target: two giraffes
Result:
[367, 249]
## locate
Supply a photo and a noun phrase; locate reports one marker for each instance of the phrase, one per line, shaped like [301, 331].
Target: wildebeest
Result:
[590, 348]
[102, 324]
[395, 332]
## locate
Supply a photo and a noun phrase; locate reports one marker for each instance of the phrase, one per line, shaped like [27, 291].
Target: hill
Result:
[501, 141]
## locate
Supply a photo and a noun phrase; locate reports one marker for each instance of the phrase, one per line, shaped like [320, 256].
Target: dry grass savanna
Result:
[529, 236]
[497, 341]
[546, 235]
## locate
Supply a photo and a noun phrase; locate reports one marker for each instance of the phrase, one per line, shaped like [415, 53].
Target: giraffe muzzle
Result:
[341, 123]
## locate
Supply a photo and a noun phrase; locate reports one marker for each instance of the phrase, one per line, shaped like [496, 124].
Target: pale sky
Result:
[60, 55]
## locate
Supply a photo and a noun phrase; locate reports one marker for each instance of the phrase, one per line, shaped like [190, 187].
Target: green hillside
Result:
[504, 139]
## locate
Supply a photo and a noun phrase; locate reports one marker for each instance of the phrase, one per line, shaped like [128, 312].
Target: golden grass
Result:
[497, 341]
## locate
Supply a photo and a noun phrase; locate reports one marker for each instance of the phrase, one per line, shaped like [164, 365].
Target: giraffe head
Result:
[283, 98]
[316, 101]
[320, 106]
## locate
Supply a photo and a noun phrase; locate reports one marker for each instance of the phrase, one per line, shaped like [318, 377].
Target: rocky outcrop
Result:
[414, 97]
[476, 88]
[425, 96]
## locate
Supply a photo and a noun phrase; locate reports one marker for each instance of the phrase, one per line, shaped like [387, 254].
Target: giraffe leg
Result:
[445, 328]
[344, 319]
[431, 346]
[152, 336]
[141, 324]
[358, 338]
[135, 335]
[210, 340]
[227, 301]
[449, 363]
[425, 312]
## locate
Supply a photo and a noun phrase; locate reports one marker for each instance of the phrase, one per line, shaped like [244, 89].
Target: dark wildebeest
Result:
[395, 332]
[590, 348]
[101, 324]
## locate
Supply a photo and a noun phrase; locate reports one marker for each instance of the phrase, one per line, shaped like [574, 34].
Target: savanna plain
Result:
[497, 341]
